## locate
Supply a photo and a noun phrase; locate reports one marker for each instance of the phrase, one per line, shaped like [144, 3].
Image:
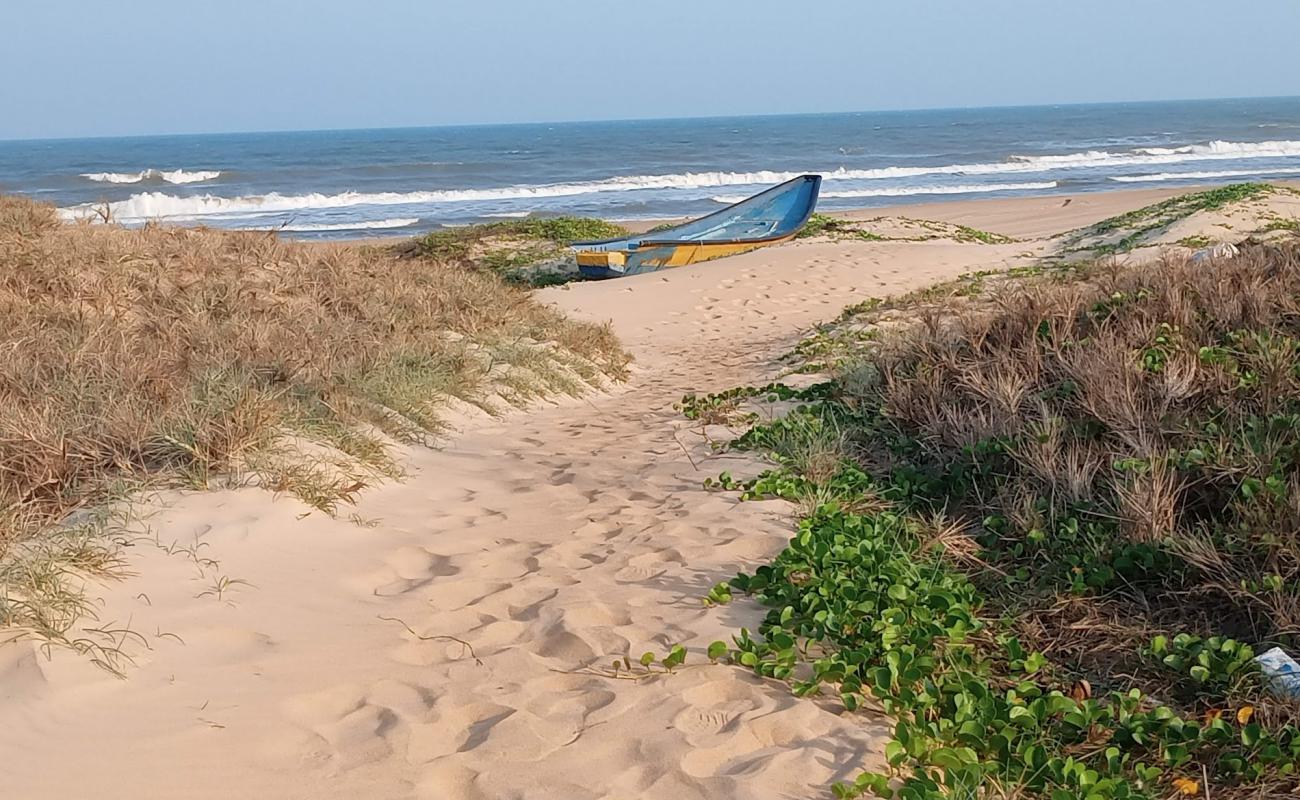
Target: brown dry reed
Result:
[160, 354]
[1159, 404]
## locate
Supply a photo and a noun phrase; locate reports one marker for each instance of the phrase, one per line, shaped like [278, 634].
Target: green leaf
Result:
[1250, 734]
[676, 656]
[953, 757]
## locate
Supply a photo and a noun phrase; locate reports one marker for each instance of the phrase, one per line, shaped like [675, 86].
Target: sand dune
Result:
[435, 646]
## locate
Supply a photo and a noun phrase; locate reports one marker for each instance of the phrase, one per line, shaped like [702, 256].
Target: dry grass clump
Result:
[1053, 516]
[130, 355]
[1133, 430]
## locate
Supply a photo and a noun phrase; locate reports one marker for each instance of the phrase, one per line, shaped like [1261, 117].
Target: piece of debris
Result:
[1281, 670]
[1220, 250]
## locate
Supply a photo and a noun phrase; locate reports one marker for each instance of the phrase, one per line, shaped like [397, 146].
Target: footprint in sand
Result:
[455, 728]
[714, 706]
[360, 737]
[449, 779]
[695, 722]
[404, 569]
[353, 730]
[648, 566]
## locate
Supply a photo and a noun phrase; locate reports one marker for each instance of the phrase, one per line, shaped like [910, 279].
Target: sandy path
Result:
[551, 540]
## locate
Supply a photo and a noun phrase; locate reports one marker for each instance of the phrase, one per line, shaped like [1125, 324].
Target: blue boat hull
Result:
[767, 218]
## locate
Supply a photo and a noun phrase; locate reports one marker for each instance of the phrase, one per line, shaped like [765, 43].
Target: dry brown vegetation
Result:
[1152, 407]
[133, 356]
[1065, 520]
[1127, 433]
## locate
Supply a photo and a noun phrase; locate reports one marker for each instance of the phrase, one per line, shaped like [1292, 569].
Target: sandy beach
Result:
[440, 643]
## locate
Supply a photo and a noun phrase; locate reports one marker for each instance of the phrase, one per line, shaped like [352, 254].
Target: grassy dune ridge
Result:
[1049, 519]
[528, 252]
[176, 356]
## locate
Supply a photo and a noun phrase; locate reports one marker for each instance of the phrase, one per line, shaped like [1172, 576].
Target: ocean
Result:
[329, 184]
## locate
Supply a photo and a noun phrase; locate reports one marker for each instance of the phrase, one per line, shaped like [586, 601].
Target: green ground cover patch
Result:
[529, 252]
[1124, 232]
[1046, 531]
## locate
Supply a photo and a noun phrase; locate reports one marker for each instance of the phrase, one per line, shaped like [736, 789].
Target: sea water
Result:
[322, 184]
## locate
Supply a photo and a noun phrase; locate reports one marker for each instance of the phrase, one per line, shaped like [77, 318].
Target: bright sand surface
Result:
[277, 660]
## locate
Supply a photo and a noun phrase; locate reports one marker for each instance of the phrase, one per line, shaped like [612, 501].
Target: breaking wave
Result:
[903, 191]
[1231, 149]
[158, 205]
[177, 176]
[1178, 176]
[1212, 151]
[906, 191]
[348, 226]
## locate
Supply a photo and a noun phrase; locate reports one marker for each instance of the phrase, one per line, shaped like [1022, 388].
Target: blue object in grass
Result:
[1281, 670]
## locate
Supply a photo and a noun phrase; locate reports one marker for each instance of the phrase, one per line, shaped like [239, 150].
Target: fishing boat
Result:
[769, 217]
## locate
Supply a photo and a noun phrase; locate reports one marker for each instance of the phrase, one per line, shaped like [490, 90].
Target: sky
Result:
[102, 68]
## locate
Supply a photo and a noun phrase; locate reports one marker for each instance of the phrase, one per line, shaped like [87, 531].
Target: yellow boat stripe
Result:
[680, 256]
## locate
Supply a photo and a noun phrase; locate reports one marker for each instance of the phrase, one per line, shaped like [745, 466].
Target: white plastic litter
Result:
[1220, 250]
[1282, 671]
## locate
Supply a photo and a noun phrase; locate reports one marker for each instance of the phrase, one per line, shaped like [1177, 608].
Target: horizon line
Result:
[673, 118]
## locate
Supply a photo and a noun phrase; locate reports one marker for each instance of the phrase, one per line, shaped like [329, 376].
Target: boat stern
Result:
[601, 263]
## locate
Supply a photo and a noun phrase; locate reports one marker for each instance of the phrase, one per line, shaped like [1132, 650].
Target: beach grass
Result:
[528, 252]
[895, 229]
[1062, 521]
[163, 356]
[1125, 232]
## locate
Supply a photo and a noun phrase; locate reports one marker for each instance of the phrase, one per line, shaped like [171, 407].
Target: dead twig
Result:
[468, 648]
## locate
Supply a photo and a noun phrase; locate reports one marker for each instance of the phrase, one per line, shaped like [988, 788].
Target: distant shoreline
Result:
[351, 184]
[636, 120]
[1035, 211]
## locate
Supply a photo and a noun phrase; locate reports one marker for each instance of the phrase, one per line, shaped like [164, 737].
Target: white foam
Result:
[177, 176]
[181, 176]
[1229, 149]
[1213, 151]
[905, 191]
[114, 177]
[509, 214]
[1178, 176]
[902, 191]
[346, 226]
[156, 205]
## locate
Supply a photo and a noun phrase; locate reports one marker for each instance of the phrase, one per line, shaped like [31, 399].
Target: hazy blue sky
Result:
[98, 67]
